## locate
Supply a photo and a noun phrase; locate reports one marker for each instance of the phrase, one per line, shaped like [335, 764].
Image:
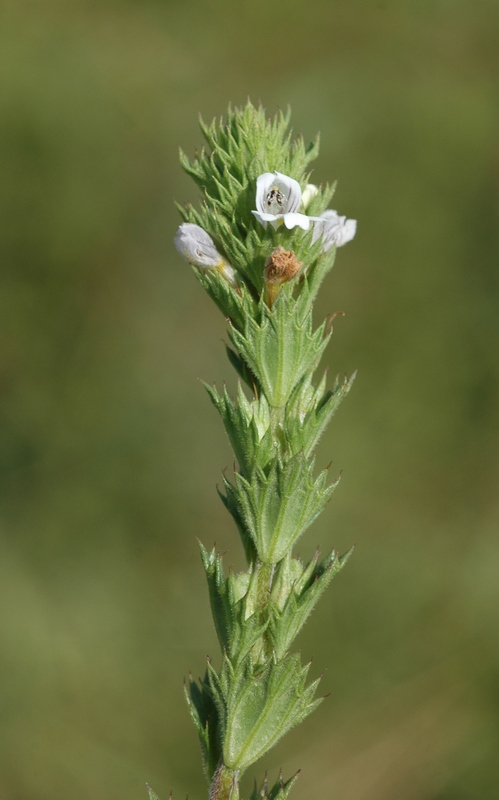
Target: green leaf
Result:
[247, 424]
[235, 304]
[205, 716]
[276, 508]
[262, 708]
[286, 574]
[238, 626]
[286, 620]
[280, 348]
[242, 369]
[221, 596]
[279, 791]
[309, 412]
[230, 501]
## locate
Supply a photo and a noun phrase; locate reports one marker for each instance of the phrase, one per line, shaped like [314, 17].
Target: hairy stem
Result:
[263, 648]
[225, 784]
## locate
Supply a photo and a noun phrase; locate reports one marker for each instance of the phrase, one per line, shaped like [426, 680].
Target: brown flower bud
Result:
[280, 267]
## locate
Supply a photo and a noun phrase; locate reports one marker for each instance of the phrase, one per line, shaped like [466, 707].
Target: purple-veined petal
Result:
[334, 229]
[277, 193]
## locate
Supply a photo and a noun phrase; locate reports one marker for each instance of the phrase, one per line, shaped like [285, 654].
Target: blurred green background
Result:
[111, 449]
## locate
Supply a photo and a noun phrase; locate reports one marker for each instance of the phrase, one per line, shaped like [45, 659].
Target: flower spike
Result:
[261, 689]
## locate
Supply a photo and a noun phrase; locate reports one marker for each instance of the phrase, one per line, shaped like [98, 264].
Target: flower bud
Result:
[198, 248]
[308, 195]
[281, 266]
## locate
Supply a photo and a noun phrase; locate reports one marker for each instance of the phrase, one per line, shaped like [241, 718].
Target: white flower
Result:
[335, 230]
[278, 199]
[197, 247]
[308, 195]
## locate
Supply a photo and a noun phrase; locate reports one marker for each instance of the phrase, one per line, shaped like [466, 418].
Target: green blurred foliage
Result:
[111, 449]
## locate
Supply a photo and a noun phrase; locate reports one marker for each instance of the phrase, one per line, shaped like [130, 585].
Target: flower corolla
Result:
[278, 199]
[335, 230]
[198, 248]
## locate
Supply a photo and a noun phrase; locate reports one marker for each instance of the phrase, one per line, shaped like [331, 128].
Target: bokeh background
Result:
[111, 450]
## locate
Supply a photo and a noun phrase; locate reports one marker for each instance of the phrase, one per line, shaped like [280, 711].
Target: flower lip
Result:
[278, 198]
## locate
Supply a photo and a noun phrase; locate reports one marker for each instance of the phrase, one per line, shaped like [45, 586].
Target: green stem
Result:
[225, 784]
[277, 427]
[263, 648]
[265, 576]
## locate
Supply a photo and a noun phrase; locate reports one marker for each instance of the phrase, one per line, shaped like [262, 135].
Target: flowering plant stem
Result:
[261, 245]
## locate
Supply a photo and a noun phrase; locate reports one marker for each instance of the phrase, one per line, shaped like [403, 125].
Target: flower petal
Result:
[318, 228]
[330, 215]
[263, 218]
[274, 219]
[293, 192]
[263, 183]
[347, 232]
[277, 193]
[300, 220]
[334, 229]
